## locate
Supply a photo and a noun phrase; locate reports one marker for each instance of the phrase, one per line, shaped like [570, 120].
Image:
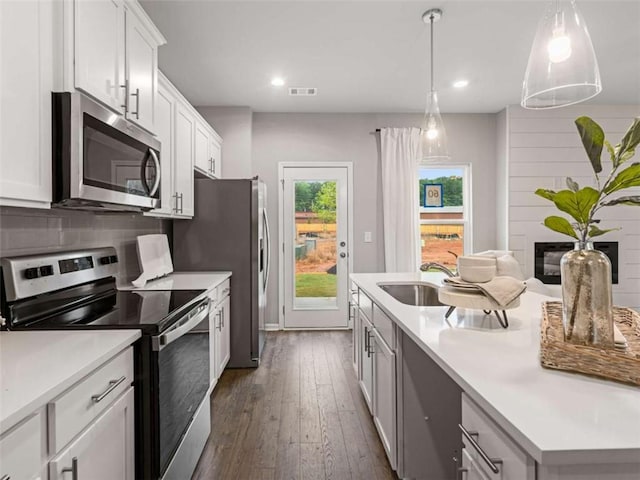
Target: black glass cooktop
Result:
[99, 305]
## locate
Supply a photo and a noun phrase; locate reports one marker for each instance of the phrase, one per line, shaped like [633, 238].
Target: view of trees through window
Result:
[315, 218]
[442, 228]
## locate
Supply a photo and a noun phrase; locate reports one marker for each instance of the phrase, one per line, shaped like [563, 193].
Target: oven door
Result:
[183, 378]
[102, 159]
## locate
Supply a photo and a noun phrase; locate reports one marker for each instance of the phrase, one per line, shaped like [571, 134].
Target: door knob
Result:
[342, 255]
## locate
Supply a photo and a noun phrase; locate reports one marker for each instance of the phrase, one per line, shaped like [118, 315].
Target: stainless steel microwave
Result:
[101, 161]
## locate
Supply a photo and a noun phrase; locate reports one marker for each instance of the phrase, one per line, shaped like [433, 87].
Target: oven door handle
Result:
[161, 341]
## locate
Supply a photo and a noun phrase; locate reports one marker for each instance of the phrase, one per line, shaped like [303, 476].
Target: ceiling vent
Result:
[303, 92]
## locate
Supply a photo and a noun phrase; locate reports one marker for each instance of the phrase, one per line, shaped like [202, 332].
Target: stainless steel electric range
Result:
[78, 290]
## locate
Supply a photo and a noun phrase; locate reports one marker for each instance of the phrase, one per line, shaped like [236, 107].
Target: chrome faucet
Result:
[426, 266]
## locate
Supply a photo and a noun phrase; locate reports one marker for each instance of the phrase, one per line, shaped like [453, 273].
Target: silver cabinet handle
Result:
[73, 469]
[112, 386]
[213, 168]
[126, 96]
[137, 95]
[491, 462]
[366, 340]
[181, 203]
[5, 477]
[219, 315]
[371, 350]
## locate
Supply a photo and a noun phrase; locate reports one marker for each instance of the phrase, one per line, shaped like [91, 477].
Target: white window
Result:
[445, 213]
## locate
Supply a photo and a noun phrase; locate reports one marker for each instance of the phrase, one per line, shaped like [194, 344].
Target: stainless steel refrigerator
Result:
[230, 231]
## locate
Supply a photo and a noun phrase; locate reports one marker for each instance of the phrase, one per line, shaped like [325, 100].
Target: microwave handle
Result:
[143, 173]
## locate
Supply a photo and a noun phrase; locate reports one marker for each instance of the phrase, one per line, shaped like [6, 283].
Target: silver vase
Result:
[587, 311]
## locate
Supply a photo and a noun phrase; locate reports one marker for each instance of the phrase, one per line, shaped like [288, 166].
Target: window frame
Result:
[466, 209]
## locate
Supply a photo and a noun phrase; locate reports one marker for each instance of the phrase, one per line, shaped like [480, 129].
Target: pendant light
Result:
[433, 136]
[562, 68]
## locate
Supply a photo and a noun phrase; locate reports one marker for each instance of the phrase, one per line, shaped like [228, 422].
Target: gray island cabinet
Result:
[465, 399]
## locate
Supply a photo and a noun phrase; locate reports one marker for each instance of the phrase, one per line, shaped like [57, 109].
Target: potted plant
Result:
[586, 272]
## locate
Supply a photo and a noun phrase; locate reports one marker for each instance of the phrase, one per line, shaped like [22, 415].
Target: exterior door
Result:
[315, 260]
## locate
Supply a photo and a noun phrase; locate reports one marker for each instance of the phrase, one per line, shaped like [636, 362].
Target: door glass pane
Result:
[315, 244]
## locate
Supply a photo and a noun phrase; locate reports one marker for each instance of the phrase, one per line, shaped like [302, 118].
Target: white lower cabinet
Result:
[219, 329]
[489, 450]
[105, 450]
[384, 395]
[365, 377]
[23, 449]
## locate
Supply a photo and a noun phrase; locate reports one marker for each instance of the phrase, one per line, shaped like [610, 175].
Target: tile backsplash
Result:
[26, 231]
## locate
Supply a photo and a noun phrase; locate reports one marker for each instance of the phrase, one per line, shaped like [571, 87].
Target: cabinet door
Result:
[183, 164]
[215, 153]
[366, 364]
[164, 128]
[105, 450]
[203, 159]
[356, 337]
[99, 50]
[223, 347]
[384, 395]
[141, 72]
[23, 449]
[26, 82]
[214, 318]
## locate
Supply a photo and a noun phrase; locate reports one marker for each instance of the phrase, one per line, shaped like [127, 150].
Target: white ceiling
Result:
[372, 56]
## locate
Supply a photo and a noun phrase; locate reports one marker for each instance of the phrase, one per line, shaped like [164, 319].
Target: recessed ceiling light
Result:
[277, 81]
[461, 83]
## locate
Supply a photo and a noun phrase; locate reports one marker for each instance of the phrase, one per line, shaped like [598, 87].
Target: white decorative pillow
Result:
[509, 266]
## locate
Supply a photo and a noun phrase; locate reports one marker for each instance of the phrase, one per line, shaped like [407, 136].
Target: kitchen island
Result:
[571, 426]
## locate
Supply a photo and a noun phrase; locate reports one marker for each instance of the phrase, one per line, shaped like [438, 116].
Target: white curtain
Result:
[400, 151]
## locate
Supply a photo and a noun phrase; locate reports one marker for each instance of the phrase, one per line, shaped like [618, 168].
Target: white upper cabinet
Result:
[183, 163]
[208, 150]
[111, 53]
[99, 54]
[165, 121]
[142, 71]
[26, 81]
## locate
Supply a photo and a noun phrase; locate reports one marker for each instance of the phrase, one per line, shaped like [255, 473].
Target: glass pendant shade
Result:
[433, 136]
[562, 68]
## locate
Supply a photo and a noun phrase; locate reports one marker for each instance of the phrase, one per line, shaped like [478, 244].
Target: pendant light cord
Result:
[431, 19]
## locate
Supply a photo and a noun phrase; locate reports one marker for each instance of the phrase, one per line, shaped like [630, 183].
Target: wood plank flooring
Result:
[299, 416]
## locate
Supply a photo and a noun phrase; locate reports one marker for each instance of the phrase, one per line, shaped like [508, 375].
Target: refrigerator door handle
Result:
[265, 219]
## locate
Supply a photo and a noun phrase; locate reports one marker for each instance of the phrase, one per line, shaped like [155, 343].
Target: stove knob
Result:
[31, 273]
[46, 270]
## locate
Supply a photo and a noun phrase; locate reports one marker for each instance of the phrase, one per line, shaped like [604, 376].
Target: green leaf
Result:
[577, 204]
[611, 150]
[631, 139]
[545, 193]
[626, 155]
[573, 186]
[560, 225]
[592, 139]
[629, 177]
[630, 200]
[596, 232]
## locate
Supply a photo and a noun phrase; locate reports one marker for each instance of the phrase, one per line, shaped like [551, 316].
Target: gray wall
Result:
[25, 231]
[233, 124]
[289, 137]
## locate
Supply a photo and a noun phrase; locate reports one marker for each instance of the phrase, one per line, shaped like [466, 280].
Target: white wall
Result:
[543, 149]
[288, 137]
[502, 179]
[233, 124]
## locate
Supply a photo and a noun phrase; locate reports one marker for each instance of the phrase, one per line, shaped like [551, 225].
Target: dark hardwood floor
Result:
[299, 416]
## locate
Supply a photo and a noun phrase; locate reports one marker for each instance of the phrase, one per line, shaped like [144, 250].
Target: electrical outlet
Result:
[367, 237]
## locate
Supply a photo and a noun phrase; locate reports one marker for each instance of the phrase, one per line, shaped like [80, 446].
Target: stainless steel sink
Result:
[417, 294]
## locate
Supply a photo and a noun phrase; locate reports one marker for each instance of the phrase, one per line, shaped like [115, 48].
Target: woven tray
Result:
[613, 364]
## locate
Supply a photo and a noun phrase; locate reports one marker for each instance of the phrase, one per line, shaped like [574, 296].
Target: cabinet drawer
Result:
[384, 326]
[511, 461]
[77, 407]
[366, 305]
[21, 448]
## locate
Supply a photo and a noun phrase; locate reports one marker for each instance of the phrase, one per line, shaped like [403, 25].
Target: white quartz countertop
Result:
[36, 366]
[557, 417]
[183, 281]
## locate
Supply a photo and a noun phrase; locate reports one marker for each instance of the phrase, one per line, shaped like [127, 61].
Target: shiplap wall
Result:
[543, 148]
